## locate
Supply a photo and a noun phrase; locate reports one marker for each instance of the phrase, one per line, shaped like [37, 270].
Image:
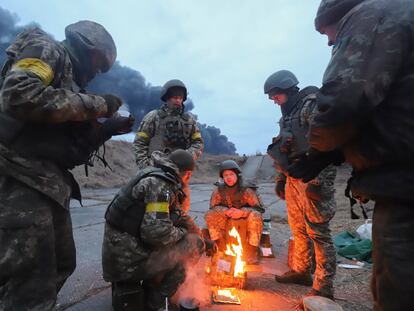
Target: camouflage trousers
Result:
[392, 253]
[309, 222]
[216, 221]
[162, 270]
[37, 251]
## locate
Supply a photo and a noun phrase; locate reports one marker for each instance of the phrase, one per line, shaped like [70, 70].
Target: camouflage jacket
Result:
[38, 88]
[163, 223]
[294, 132]
[365, 105]
[166, 130]
[237, 197]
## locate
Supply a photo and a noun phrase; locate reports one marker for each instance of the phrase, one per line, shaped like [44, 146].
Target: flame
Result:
[236, 250]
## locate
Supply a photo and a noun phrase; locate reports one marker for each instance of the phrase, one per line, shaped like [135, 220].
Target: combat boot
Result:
[323, 293]
[301, 278]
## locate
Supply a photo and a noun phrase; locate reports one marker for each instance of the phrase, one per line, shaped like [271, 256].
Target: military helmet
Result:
[183, 159]
[332, 11]
[229, 165]
[89, 37]
[282, 79]
[171, 85]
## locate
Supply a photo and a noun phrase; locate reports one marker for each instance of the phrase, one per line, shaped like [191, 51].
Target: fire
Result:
[236, 250]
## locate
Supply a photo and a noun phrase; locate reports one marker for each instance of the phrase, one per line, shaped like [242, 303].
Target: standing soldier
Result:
[310, 205]
[365, 110]
[169, 128]
[48, 125]
[235, 199]
[147, 237]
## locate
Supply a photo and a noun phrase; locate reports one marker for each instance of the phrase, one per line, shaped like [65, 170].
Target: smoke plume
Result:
[127, 83]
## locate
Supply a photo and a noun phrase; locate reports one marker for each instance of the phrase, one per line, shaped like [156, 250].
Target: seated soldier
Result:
[235, 199]
[147, 236]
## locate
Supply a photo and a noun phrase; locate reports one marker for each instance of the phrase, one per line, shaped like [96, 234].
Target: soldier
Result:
[147, 236]
[48, 125]
[169, 128]
[311, 205]
[234, 198]
[365, 110]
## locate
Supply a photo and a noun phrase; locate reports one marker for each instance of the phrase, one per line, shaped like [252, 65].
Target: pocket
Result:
[320, 206]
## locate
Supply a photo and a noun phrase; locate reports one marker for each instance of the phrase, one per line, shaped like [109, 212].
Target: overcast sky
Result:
[222, 50]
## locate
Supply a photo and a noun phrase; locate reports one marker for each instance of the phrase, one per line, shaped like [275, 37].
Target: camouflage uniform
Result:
[168, 129]
[365, 108]
[165, 242]
[310, 205]
[37, 251]
[242, 197]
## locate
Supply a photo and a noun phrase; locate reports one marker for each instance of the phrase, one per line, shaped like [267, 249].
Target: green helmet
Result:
[229, 165]
[183, 159]
[282, 79]
[169, 88]
[332, 11]
[88, 37]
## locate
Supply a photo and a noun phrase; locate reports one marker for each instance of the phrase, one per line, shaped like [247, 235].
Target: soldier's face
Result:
[185, 177]
[279, 98]
[230, 178]
[330, 31]
[175, 101]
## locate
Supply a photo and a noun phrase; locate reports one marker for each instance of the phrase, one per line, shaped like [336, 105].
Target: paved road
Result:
[86, 290]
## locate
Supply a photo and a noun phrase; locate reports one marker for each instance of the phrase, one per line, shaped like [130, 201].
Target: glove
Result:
[113, 103]
[280, 189]
[308, 165]
[118, 125]
[211, 246]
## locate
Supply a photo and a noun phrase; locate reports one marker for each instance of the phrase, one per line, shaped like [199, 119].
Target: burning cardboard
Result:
[228, 269]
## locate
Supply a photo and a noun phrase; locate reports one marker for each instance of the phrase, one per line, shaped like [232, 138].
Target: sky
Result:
[222, 50]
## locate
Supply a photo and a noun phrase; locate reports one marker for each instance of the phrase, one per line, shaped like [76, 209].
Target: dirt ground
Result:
[120, 158]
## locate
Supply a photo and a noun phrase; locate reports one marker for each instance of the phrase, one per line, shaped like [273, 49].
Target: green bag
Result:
[351, 247]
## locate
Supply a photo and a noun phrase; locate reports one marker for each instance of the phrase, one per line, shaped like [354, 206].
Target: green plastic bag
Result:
[351, 247]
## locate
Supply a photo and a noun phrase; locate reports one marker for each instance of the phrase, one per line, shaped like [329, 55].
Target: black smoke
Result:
[139, 95]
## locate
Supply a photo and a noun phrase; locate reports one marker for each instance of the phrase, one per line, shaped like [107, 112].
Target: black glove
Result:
[211, 246]
[118, 125]
[308, 165]
[280, 189]
[113, 103]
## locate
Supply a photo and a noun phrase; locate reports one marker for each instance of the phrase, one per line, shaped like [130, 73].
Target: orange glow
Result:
[236, 250]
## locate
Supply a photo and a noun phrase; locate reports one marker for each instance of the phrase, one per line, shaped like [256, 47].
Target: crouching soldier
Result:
[235, 199]
[148, 239]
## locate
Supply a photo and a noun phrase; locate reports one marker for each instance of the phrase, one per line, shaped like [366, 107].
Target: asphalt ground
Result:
[86, 290]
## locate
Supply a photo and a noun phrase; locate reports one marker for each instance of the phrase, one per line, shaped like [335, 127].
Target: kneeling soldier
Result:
[148, 239]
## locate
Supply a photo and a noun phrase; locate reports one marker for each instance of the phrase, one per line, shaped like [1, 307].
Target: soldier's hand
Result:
[211, 246]
[308, 165]
[280, 189]
[118, 125]
[113, 103]
[234, 213]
